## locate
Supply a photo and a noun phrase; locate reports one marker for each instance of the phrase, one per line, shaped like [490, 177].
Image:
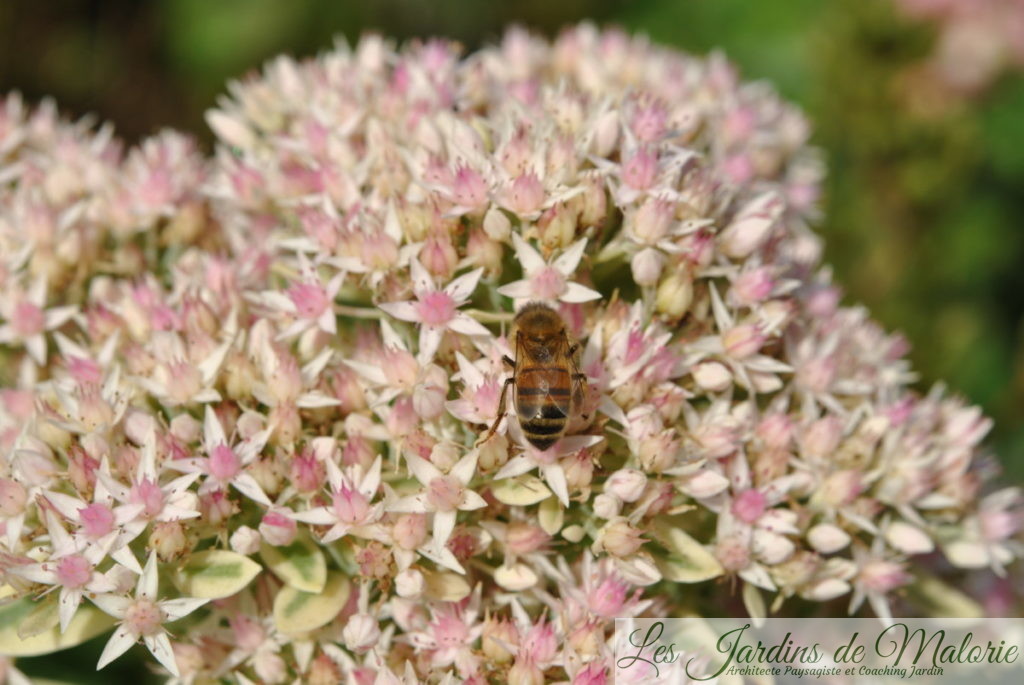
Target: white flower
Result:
[143, 616]
[543, 281]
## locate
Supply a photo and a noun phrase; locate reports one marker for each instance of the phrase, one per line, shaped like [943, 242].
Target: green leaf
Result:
[87, 624]
[520, 491]
[296, 611]
[301, 564]
[45, 615]
[688, 560]
[937, 598]
[445, 586]
[215, 573]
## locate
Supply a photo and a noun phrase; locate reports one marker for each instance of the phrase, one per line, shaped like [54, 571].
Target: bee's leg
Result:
[511, 362]
[501, 409]
[581, 380]
[573, 348]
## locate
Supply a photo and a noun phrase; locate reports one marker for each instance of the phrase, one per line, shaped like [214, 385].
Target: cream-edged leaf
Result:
[444, 586]
[301, 564]
[296, 611]
[87, 624]
[688, 560]
[551, 515]
[521, 491]
[44, 615]
[215, 573]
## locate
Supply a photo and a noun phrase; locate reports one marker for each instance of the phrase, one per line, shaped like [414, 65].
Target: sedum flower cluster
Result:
[244, 397]
[976, 40]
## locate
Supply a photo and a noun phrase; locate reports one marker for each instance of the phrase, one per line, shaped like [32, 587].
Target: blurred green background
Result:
[924, 205]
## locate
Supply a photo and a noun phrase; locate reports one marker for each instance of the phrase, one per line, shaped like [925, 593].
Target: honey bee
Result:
[548, 385]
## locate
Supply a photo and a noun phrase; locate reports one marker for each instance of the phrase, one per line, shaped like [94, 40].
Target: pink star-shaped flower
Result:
[543, 281]
[436, 309]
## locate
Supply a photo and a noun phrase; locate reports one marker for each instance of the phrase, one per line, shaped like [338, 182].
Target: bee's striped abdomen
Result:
[543, 403]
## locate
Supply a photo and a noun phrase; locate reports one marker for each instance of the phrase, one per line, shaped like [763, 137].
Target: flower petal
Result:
[404, 311]
[160, 646]
[462, 287]
[528, 257]
[574, 292]
[568, 261]
[183, 606]
[119, 643]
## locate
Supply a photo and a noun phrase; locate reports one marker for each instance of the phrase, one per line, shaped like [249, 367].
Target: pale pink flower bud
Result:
[817, 374]
[626, 484]
[245, 540]
[497, 225]
[139, 426]
[752, 226]
[716, 440]
[620, 538]
[498, 639]
[753, 286]
[606, 133]
[659, 452]
[277, 529]
[557, 227]
[640, 170]
[651, 222]
[270, 667]
[524, 195]
[595, 673]
[840, 489]
[13, 497]
[248, 634]
[646, 266]
[523, 538]
[350, 505]
[185, 428]
[493, 454]
[732, 553]
[607, 506]
[409, 584]
[409, 530]
[883, 576]
[749, 505]
[742, 341]
[594, 201]
[403, 418]
[481, 250]
[821, 439]
[168, 539]
[438, 255]
[525, 672]
[307, 472]
[675, 293]
[429, 396]
[469, 189]
[361, 633]
[827, 538]
[712, 376]
[540, 644]
[216, 507]
[776, 431]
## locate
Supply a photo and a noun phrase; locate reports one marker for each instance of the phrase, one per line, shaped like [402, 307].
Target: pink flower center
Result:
[749, 505]
[28, 319]
[73, 572]
[143, 617]
[608, 598]
[469, 189]
[85, 370]
[445, 493]
[97, 520]
[883, 576]
[548, 283]
[224, 463]
[436, 308]
[149, 495]
[310, 299]
[350, 505]
[449, 631]
[641, 170]
[526, 194]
